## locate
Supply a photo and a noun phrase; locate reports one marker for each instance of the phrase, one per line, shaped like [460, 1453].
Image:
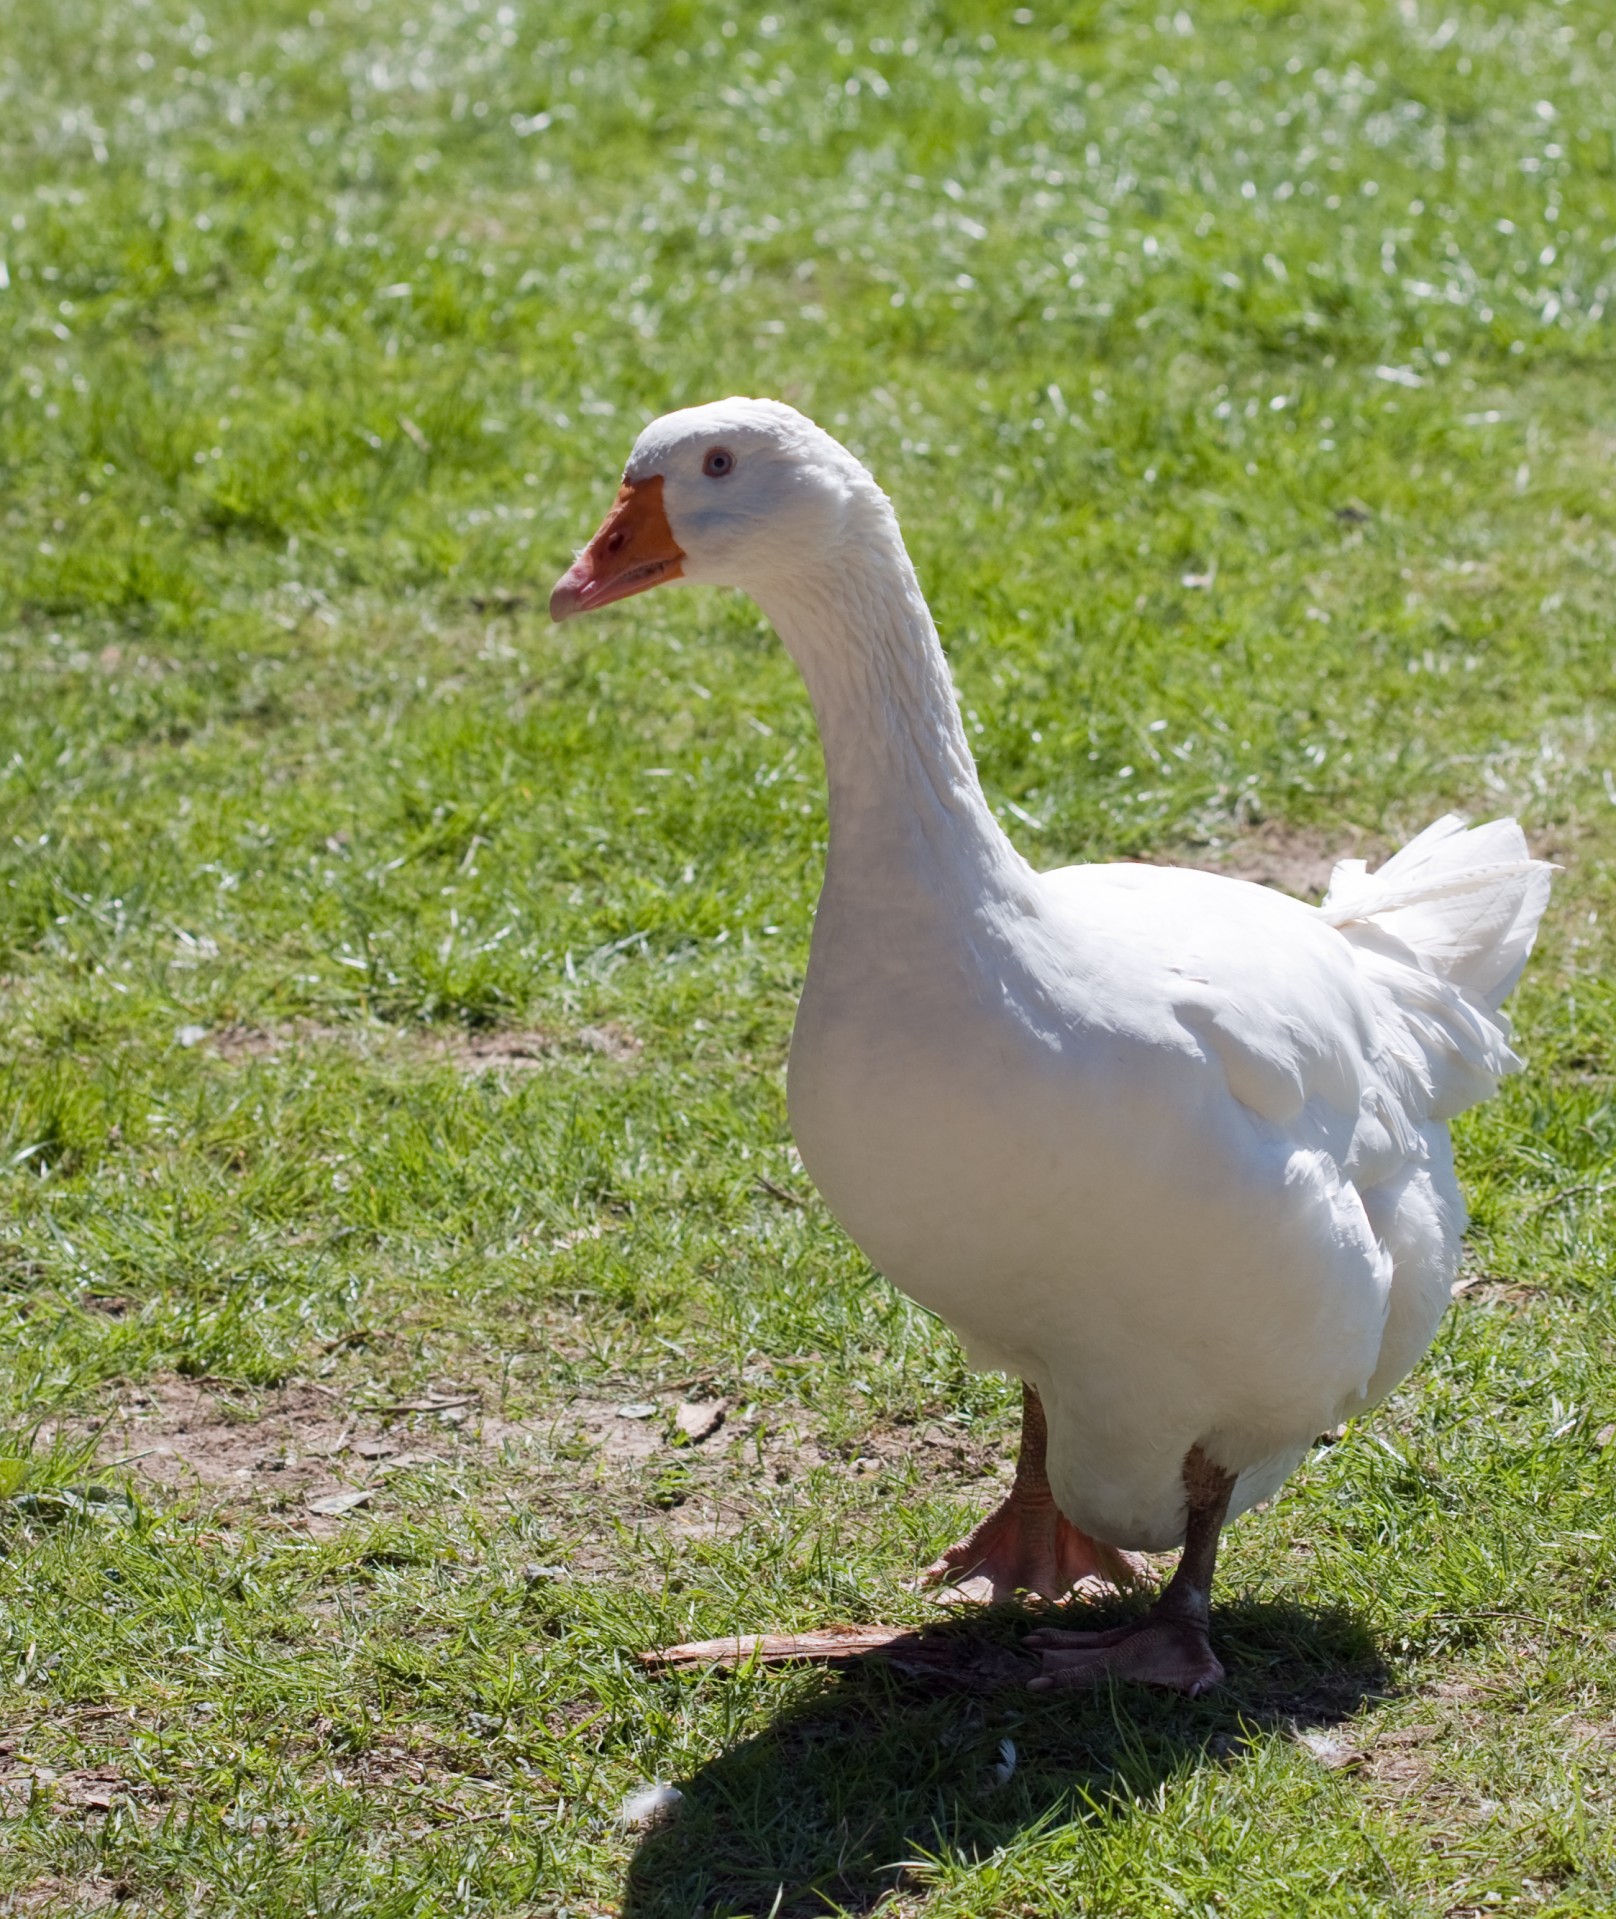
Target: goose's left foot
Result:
[1170, 1646]
[1027, 1544]
[1025, 1547]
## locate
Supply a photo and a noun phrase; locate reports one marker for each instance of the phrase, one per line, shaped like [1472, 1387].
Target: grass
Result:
[396, 989]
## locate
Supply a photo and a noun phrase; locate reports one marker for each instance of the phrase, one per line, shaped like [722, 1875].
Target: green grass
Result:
[396, 989]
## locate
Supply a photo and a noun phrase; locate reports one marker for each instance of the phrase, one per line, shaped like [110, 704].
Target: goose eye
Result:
[718, 462]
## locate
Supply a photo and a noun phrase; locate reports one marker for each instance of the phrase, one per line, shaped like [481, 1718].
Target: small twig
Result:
[424, 1405]
[358, 1337]
[829, 1646]
[1531, 1619]
[447, 1806]
[1509, 1288]
[775, 1191]
[1565, 1193]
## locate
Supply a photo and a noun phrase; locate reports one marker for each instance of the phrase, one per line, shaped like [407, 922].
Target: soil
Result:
[299, 1454]
[259, 1042]
[482, 1052]
[277, 1451]
[1291, 859]
[513, 1048]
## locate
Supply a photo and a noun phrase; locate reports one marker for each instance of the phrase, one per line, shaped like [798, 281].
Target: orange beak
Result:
[633, 550]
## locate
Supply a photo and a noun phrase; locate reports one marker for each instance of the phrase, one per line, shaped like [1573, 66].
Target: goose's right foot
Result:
[1158, 1650]
[1027, 1544]
[1171, 1645]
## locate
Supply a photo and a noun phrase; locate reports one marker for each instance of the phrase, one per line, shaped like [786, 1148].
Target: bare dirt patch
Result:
[304, 1453]
[631, 1458]
[483, 1052]
[311, 1456]
[236, 1042]
[496, 1048]
[308, 1440]
[52, 1895]
[1489, 1289]
[1291, 859]
[1402, 1758]
[1299, 859]
[88, 1790]
[319, 1460]
[46, 1762]
[617, 1432]
[280, 1449]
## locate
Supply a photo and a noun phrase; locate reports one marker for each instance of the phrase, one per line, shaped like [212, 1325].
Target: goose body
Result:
[1170, 1147]
[1148, 1139]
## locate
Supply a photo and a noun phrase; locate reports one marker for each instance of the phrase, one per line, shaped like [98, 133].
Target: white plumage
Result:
[1170, 1147]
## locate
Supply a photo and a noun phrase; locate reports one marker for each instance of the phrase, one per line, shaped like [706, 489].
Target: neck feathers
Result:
[906, 804]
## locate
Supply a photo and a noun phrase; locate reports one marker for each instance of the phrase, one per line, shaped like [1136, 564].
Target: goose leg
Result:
[1170, 1646]
[1027, 1545]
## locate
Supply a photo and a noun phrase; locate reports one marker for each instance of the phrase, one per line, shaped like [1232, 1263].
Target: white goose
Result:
[1170, 1148]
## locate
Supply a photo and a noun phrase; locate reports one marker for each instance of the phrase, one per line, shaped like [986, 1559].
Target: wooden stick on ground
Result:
[931, 1653]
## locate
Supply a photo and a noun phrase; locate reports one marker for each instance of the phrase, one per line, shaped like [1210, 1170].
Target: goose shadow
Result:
[869, 1766]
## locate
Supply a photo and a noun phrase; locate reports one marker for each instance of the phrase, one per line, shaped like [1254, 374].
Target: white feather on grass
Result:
[652, 1805]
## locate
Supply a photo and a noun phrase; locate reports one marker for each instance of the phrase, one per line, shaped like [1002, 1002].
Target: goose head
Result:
[744, 493]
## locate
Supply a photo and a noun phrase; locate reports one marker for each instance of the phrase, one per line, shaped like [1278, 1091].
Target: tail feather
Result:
[1465, 902]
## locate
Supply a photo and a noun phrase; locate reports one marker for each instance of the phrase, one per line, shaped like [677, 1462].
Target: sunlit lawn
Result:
[396, 989]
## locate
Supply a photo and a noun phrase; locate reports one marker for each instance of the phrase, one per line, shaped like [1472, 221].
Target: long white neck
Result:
[908, 817]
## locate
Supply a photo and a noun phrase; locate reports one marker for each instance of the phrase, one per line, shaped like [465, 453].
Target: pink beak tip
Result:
[566, 598]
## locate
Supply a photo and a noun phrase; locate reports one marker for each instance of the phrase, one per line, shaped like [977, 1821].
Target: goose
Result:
[1168, 1147]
